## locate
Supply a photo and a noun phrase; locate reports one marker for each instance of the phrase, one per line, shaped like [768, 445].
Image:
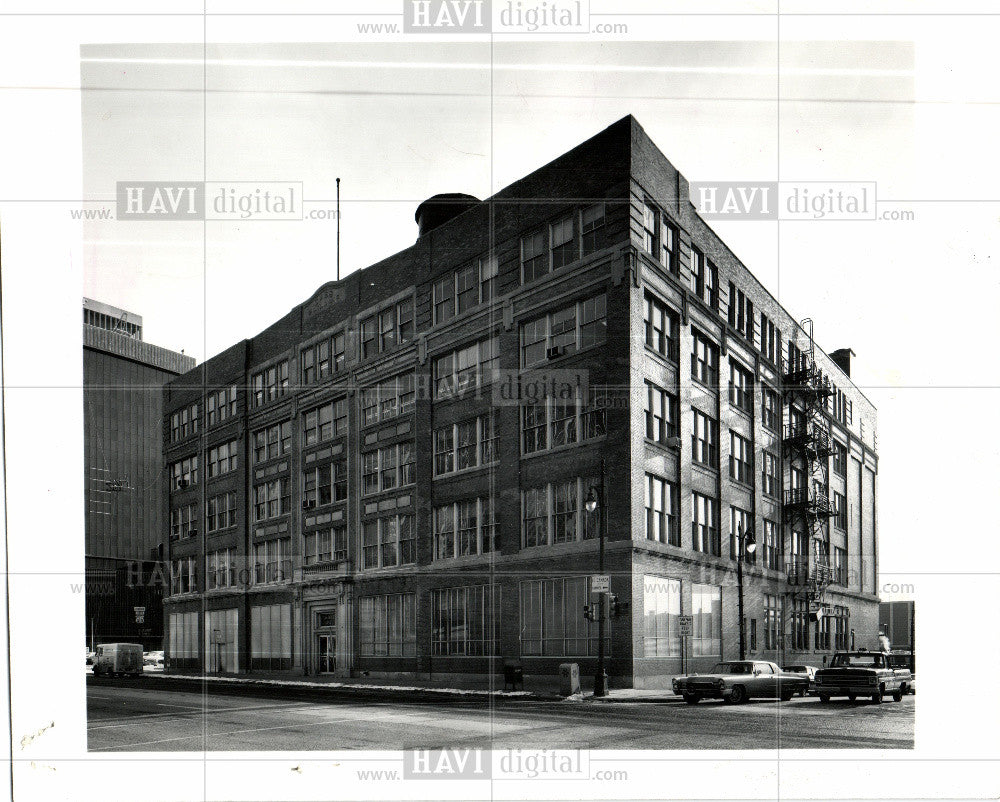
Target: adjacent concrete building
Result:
[392, 478]
[124, 482]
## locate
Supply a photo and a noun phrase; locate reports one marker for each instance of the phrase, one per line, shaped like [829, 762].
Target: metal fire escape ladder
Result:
[806, 443]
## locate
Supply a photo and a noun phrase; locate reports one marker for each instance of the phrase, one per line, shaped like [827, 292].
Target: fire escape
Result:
[807, 446]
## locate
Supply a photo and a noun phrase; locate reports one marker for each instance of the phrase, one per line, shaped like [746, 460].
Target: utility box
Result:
[569, 678]
[513, 674]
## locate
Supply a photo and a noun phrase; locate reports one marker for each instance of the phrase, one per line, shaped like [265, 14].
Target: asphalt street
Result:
[144, 719]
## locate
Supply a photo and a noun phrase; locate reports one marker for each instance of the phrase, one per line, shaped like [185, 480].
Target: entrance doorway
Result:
[326, 650]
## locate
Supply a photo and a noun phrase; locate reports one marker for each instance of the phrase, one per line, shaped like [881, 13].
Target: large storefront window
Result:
[552, 621]
[271, 638]
[182, 646]
[222, 641]
[661, 611]
[706, 627]
[465, 621]
[388, 626]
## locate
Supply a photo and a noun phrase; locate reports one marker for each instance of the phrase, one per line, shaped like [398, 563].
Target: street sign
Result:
[600, 583]
[140, 615]
[685, 622]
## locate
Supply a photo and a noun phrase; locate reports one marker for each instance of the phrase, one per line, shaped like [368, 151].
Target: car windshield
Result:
[731, 668]
[859, 660]
[795, 668]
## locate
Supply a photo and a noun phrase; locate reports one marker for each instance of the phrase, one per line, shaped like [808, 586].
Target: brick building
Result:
[391, 479]
[124, 482]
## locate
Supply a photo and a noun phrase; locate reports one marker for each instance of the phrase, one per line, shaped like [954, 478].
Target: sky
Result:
[398, 124]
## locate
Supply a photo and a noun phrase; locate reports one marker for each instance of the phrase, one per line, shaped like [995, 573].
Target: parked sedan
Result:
[736, 681]
[809, 672]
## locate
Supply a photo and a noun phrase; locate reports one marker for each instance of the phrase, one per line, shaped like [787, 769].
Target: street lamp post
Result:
[595, 501]
[746, 544]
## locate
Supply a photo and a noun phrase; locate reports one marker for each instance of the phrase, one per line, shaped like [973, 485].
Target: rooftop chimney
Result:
[843, 359]
[439, 209]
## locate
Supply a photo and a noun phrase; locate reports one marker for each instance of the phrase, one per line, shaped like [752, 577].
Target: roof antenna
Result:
[338, 229]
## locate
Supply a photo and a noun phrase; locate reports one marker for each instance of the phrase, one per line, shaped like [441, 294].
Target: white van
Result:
[118, 659]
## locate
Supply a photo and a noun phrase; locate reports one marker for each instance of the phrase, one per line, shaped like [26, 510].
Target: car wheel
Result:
[824, 698]
[786, 696]
[853, 697]
[877, 697]
[692, 698]
[897, 696]
[738, 695]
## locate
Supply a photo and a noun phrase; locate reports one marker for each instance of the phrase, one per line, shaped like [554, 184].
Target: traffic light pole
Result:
[601, 678]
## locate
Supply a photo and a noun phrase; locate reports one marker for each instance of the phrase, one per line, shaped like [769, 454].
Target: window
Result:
[272, 561]
[466, 368]
[553, 513]
[706, 624]
[772, 622]
[220, 405]
[740, 388]
[704, 440]
[705, 361]
[315, 362]
[387, 468]
[840, 566]
[325, 422]
[324, 485]
[183, 521]
[183, 576]
[839, 510]
[650, 229]
[704, 525]
[821, 633]
[661, 324]
[464, 528]
[753, 634]
[839, 458]
[388, 625]
[740, 458]
[771, 411]
[465, 289]
[593, 228]
[739, 520]
[273, 442]
[387, 399]
[552, 622]
[182, 640]
[219, 569]
[534, 257]
[184, 473]
[444, 299]
[220, 512]
[741, 312]
[564, 248]
[184, 423]
[661, 414]
[270, 384]
[769, 474]
[466, 621]
[661, 602]
[388, 542]
[800, 624]
[770, 339]
[325, 545]
[391, 327]
[271, 499]
[558, 422]
[661, 511]
[840, 632]
[222, 459]
[469, 444]
[564, 331]
[771, 546]
[669, 242]
[271, 637]
[704, 278]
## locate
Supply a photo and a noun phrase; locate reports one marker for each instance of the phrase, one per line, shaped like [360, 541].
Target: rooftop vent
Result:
[439, 209]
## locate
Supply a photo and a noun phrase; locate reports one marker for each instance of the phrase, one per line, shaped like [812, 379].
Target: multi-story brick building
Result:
[124, 484]
[368, 491]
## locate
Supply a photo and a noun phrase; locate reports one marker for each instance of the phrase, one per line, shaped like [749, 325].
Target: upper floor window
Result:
[704, 440]
[388, 399]
[669, 246]
[324, 358]
[705, 535]
[705, 361]
[465, 289]
[221, 405]
[840, 510]
[740, 387]
[594, 228]
[740, 312]
[272, 442]
[270, 383]
[650, 229]
[769, 474]
[564, 331]
[740, 458]
[184, 423]
[465, 528]
[184, 473]
[771, 546]
[325, 422]
[324, 545]
[770, 410]
[469, 444]
[661, 414]
[554, 422]
[183, 576]
[271, 499]
[534, 256]
[220, 569]
[554, 513]
[564, 247]
[272, 561]
[222, 459]
[465, 368]
[184, 521]
[220, 512]
[770, 339]
[391, 327]
[661, 511]
[388, 542]
[661, 326]
[387, 468]
[324, 485]
[839, 458]
[704, 278]
[739, 523]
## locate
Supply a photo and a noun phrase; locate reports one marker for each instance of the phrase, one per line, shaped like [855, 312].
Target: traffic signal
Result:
[590, 612]
[618, 607]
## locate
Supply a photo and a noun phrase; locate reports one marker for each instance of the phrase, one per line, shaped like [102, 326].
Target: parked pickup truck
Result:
[862, 673]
